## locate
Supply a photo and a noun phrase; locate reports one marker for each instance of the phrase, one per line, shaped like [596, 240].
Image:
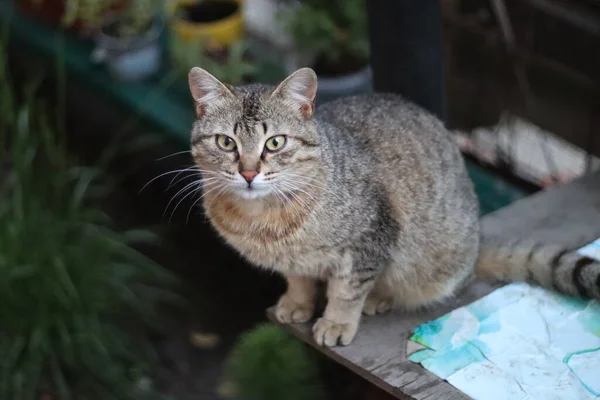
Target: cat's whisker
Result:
[198, 172]
[177, 171]
[185, 170]
[276, 193]
[181, 179]
[189, 186]
[307, 185]
[292, 189]
[325, 190]
[299, 199]
[299, 185]
[187, 218]
[228, 179]
[307, 179]
[287, 172]
[196, 175]
[282, 196]
[289, 202]
[193, 191]
[221, 186]
[173, 155]
[296, 210]
[219, 194]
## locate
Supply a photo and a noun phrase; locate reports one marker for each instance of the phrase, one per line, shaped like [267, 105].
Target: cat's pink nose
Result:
[249, 175]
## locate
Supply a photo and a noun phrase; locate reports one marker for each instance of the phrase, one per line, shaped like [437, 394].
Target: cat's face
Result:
[255, 141]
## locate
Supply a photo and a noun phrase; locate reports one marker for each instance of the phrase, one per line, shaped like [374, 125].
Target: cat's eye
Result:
[275, 143]
[225, 143]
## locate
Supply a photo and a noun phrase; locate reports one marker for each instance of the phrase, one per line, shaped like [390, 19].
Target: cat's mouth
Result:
[253, 191]
[253, 188]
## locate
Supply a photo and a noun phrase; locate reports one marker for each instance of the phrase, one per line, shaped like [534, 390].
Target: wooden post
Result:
[407, 50]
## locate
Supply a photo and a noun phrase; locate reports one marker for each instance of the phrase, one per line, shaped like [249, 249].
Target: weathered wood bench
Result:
[568, 214]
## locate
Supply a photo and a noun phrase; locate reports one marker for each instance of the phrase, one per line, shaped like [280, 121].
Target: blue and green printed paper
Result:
[518, 343]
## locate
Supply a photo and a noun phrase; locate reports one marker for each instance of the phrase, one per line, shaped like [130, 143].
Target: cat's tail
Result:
[552, 267]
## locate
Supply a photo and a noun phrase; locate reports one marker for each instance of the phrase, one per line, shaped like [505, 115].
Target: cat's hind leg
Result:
[377, 302]
[381, 298]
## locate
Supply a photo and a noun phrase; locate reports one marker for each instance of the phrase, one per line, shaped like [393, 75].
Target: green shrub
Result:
[334, 30]
[76, 300]
[233, 68]
[269, 364]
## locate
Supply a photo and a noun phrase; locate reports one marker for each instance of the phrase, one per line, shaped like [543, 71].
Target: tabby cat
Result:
[368, 194]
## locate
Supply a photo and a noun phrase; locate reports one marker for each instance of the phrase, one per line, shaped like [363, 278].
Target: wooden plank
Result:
[568, 214]
[378, 352]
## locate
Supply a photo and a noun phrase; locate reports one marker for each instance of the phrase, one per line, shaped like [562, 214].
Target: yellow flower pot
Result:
[220, 32]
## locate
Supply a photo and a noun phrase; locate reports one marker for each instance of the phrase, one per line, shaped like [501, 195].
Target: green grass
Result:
[77, 301]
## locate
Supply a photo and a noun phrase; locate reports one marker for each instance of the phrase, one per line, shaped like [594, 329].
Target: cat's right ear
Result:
[299, 91]
[206, 90]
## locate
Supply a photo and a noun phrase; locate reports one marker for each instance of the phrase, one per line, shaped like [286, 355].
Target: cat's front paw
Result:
[290, 311]
[330, 333]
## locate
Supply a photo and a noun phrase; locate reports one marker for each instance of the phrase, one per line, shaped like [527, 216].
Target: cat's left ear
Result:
[206, 90]
[299, 91]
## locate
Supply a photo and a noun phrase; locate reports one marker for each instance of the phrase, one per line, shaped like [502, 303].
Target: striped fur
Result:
[370, 194]
[550, 266]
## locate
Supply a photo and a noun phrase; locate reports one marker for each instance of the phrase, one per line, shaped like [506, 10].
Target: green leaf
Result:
[140, 236]
[23, 271]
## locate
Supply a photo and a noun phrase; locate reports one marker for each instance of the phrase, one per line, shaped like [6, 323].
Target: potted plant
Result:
[129, 42]
[218, 23]
[127, 31]
[81, 16]
[333, 35]
[232, 65]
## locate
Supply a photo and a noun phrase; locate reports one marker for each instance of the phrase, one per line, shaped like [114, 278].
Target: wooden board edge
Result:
[341, 360]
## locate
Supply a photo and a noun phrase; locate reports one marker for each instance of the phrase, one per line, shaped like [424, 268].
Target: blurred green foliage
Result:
[137, 15]
[268, 364]
[77, 301]
[232, 69]
[335, 30]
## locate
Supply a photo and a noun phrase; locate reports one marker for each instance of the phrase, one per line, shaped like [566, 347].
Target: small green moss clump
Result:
[269, 364]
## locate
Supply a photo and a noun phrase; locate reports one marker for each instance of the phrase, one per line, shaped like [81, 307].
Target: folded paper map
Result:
[519, 342]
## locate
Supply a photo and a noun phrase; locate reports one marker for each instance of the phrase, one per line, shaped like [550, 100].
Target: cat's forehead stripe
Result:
[251, 106]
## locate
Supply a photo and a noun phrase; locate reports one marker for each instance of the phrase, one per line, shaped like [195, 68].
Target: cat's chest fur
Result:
[283, 239]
